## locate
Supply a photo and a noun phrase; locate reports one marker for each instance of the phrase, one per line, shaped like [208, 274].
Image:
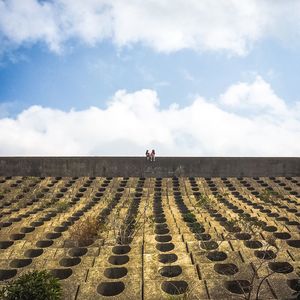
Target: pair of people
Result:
[150, 156]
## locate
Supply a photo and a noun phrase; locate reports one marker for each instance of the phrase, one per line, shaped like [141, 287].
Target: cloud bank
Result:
[166, 26]
[133, 122]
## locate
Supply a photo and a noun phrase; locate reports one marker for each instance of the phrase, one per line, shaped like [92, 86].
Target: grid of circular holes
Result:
[31, 253]
[6, 274]
[238, 286]
[174, 287]
[226, 269]
[61, 274]
[281, 267]
[69, 262]
[110, 288]
[115, 273]
[20, 263]
[170, 271]
[118, 259]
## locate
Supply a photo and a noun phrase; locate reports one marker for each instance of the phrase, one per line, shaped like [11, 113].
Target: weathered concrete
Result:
[139, 167]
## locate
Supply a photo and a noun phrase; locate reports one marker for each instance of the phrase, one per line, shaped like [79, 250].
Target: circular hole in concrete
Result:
[282, 235]
[110, 288]
[121, 249]
[273, 214]
[294, 284]
[20, 263]
[270, 228]
[170, 271]
[294, 243]
[61, 273]
[209, 245]
[243, 236]
[238, 286]
[167, 258]
[115, 273]
[265, 254]
[44, 243]
[292, 223]
[27, 229]
[118, 259]
[174, 287]
[60, 228]
[5, 244]
[53, 235]
[163, 238]
[216, 256]
[281, 267]
[165, 247]
[69, 262]
[226, 269]
[17, 236]
[160, 220]
[31, 253]
[253, 244]
[6, 274]
[5, 224]
[78, 214]
[162, 231]
[36, 223]
[17, 219]
[77, 251]
[203, 236]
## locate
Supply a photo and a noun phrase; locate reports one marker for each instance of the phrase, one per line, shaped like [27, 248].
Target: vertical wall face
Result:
[139, 167]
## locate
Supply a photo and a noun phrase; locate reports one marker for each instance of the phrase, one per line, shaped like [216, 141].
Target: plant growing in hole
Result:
[261, 271]
[189, 217]
[62, 206]
[124, 230]
[86, 230]
[192, 292]
[270, 197]
[38, 285]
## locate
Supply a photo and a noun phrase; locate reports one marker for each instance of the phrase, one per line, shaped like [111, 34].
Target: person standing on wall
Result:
[147, 155]
[152, 155]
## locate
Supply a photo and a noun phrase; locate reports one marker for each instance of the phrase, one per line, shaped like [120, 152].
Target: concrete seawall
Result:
[139, 167]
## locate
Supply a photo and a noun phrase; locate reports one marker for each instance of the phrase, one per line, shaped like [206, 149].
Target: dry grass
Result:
[85, 231]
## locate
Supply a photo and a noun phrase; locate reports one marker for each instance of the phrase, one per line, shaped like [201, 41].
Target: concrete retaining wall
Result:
[139, 167]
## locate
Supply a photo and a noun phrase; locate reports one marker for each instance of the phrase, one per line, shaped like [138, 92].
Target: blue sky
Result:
[235, 65]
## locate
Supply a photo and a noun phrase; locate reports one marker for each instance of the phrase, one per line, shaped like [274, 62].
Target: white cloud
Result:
[132, 122]
[166, 26]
